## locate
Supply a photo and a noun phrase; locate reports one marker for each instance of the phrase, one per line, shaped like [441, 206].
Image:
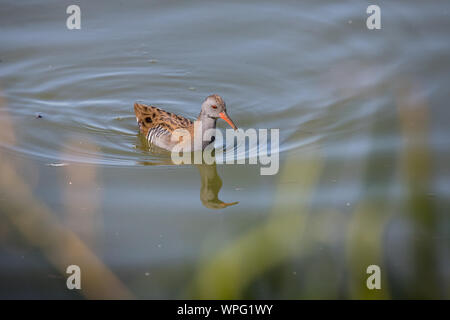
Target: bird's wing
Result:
[155, 122]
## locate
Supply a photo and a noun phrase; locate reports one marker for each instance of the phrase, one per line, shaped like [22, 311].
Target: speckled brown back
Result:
[149, 117]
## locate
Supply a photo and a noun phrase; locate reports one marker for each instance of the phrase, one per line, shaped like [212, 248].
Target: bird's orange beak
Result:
[225, 117]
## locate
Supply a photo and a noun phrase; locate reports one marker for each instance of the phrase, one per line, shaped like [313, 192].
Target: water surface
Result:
[364, 154]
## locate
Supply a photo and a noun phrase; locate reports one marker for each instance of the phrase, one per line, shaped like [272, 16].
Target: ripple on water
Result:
[273, 73]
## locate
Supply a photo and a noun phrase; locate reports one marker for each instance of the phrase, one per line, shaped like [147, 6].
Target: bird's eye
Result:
[214, 107]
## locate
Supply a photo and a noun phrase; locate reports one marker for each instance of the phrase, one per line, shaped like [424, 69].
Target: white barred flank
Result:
[156, 132]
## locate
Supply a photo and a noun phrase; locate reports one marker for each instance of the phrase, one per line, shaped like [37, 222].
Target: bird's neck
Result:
[204, 123]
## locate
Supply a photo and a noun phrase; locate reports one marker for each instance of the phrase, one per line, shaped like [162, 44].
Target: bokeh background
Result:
[364, 160]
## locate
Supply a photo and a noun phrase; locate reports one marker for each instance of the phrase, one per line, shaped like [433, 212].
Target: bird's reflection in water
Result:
[211, 183]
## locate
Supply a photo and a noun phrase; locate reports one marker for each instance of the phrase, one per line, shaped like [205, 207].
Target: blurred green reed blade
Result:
[227, 273]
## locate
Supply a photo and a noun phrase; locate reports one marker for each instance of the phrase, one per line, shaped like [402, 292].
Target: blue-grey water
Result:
[364, 150]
